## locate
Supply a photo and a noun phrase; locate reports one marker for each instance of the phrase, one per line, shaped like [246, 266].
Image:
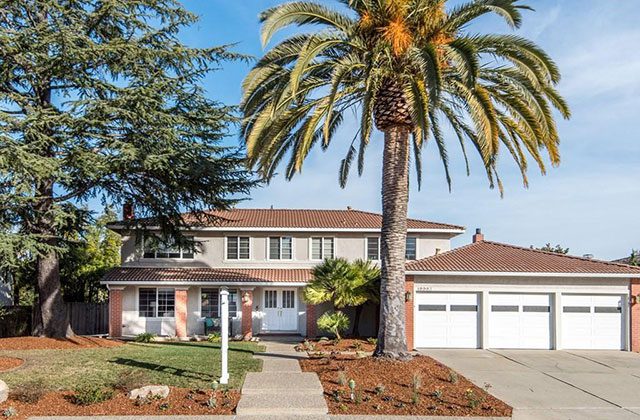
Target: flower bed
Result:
[421, 386]
[346, 345]
[180, 401]
[43, 343]
[8, 363]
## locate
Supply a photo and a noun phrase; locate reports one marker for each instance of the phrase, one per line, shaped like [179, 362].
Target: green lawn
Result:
[188, 365]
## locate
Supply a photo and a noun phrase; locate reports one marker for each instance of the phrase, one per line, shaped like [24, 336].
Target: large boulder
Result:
[150, 391]
[4, 392]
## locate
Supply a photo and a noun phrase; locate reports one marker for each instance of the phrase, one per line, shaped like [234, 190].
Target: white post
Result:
[224, 298]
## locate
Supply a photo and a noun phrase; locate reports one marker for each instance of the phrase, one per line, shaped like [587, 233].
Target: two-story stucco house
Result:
[264, 257]
[482, 295]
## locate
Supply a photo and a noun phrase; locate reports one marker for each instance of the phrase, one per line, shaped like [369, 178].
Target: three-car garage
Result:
[496, 296]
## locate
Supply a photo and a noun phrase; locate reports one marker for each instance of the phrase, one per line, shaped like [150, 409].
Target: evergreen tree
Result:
[99, 99]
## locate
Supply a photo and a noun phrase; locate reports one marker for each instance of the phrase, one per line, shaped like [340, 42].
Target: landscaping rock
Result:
[150, 391]
[4, 392]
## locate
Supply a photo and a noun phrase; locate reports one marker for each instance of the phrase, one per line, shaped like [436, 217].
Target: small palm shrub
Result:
[145, 338]
[334, 322]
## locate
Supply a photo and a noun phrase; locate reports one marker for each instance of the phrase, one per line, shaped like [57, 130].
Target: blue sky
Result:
[589, 204]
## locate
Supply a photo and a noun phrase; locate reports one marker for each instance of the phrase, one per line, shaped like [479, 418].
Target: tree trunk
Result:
[356, 321]
[51, 316]
[392, 341]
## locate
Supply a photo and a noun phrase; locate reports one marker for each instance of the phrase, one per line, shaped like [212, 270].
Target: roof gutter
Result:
[522, 274]
[201, 283]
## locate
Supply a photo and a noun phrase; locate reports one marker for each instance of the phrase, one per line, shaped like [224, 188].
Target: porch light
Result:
[633, 299]
[408, 296]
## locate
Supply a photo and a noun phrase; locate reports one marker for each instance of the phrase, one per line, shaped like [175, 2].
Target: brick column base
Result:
[408, 311]
[312, 317]
[634, 315]
[181, 313]
[115, 311]
[247, 314]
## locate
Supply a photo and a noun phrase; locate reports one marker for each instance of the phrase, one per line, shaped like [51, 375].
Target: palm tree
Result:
[344, 284]
[409, 66]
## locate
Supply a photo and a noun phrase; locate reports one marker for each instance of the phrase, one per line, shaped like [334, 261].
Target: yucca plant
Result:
[408, 67]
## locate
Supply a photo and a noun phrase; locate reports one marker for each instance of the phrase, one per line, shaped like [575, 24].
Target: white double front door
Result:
[280, 310]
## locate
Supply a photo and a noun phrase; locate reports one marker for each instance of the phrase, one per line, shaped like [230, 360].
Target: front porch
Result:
[182, 310]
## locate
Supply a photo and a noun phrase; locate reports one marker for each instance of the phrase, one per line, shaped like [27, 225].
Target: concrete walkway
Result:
[281, 388]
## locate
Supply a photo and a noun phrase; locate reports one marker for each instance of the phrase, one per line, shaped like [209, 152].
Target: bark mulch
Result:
[179, 402]
[8, 363]
[43, 343]
[386, 387]
[344, 345]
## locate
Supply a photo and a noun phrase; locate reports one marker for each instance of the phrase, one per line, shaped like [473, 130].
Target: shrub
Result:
[9, 412]
[29, 392]
[214, 338]
[212, 402]
[334, 322]
[379, 389]
[453, 377]
[91, 394]
[342, 378]
[416, 383]
[372, 340]
[145, 338]
[473, 399]
[131, 379]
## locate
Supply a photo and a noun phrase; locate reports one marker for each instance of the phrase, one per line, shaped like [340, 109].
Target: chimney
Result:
[478, 237]
[127, 211]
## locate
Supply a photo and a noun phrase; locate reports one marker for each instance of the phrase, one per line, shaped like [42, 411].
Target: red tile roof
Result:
[494, 257]
[232, 275]
[311, 219]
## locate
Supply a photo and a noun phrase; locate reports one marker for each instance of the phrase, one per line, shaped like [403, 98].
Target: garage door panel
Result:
[520, 321]
[592, 322]
[447, 320]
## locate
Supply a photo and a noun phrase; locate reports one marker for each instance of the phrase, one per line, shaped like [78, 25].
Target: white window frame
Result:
[231, 290]
[322, 239]
[405, 253]
[366, 248]
[155, 253]
[279, 238]
[156, 317]
[226, 246]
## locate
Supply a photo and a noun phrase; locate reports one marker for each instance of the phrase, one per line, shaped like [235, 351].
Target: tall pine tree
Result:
[100, 100]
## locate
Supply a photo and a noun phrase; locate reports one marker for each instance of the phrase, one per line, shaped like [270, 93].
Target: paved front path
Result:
[281, 388]
[554, 385]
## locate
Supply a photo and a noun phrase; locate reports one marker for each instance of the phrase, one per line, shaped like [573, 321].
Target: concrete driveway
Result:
[554, 385]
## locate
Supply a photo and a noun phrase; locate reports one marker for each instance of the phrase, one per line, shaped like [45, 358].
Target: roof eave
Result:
[521, 274]
[202, 283]
[456, 231]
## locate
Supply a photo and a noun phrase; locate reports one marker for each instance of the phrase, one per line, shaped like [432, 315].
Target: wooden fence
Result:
[85, 319]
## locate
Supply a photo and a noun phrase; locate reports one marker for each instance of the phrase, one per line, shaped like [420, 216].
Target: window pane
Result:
[243, 252]
[534, 308]
[328, 248]
[150, 246]
[274, 248]
[233, 303]
[607, 309]
[432, 308]
[188, 250]
[209, 303]
[411, 248]
[147, 303]
[166, 302]
[270, 299]
[232, 248]
[576, 309]
[464, 308]
[316, 248]
[287, 248]
[504, 308]
[288, 299]
[373, 248]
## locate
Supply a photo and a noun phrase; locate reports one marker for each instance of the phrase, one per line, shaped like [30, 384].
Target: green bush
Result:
[145, 338]
[334, 322]
[214, 338]
[91, 394]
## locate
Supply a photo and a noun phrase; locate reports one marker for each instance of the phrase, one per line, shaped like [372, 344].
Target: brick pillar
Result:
[634, 289]
[247, 313]
[408, 311]
[312, 317]
[115, 311]
[181, 313]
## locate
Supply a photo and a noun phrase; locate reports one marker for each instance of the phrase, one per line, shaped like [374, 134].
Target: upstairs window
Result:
[238, 247]
[156, 302]
[410, 253]
[156, 247]
[322, 248]
[281, 248]
[373, 248]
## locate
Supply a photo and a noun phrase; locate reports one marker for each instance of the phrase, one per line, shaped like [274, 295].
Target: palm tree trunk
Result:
[392, 341]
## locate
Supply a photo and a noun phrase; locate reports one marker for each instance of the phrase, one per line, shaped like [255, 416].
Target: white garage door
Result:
[520, 321]
[448, 320]
[592, 322]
